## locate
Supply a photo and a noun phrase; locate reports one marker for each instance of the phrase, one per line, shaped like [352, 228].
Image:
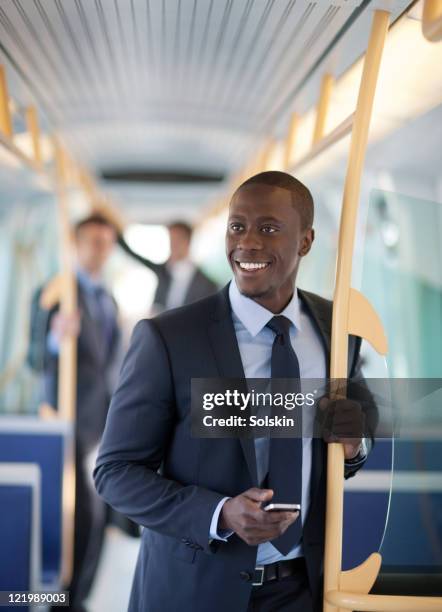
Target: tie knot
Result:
[280, 325]
[99, 291]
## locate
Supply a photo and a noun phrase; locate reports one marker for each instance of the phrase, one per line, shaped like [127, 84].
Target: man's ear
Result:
[307, 242]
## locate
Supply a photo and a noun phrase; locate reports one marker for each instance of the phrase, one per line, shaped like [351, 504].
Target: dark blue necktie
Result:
[105, 319]
[285, 457]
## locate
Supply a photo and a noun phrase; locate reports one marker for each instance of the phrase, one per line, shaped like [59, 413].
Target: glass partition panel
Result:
[402, 278]
[28, 258]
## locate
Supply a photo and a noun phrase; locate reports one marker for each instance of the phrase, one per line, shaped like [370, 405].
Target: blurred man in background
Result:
[180, 281]
[96, 327]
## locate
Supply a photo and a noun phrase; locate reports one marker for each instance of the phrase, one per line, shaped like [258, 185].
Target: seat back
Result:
[20, 527]
[43, 443]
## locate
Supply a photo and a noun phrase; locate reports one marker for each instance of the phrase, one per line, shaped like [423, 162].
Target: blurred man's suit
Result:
[196, 285]
[97, 363]
[179, 568]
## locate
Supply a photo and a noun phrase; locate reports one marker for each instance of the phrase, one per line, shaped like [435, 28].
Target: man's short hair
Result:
[183, 227]
[94, 219]
[302, 199]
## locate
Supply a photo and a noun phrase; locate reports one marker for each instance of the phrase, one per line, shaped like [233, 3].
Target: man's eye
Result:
[268, 229]
[235, 227]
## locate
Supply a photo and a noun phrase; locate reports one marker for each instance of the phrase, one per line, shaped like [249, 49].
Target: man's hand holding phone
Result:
[244, 514]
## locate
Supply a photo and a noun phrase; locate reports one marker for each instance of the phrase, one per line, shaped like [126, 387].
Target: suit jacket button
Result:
[245, 576]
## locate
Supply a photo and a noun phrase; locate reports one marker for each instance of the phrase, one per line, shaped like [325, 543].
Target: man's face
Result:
[94, 245]
[264, 244]
[179, 244]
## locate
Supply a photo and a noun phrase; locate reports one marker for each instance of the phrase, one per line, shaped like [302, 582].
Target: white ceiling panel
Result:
[187, 84]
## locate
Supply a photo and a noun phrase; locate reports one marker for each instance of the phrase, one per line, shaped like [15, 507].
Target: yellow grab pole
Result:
[67, 371]
[432, 20]
[338, 369]
[5, 113]
[34, 130]
[264, 158]
[68, 304]
[290, 141]
[322, 109]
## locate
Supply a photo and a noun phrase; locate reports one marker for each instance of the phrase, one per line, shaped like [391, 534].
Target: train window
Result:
[29, 244]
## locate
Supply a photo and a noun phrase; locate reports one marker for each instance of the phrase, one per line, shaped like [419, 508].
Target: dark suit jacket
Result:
[94, 369]
[148, 426]
[200, 285]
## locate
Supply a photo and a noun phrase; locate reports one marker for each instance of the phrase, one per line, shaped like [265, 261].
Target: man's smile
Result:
[251, 267]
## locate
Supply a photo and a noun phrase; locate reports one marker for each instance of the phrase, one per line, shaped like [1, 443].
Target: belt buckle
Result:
[259, 568]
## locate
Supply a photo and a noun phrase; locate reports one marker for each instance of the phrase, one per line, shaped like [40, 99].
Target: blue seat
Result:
[28, 439]
[20, 550]
[414, 532]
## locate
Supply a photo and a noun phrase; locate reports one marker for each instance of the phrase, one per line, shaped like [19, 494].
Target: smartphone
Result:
[282, 508]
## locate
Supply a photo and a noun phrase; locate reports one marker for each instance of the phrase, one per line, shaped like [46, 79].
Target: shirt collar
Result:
[255, 317]
[87, 282]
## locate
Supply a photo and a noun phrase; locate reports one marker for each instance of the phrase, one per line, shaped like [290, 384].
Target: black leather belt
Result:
[277, 570]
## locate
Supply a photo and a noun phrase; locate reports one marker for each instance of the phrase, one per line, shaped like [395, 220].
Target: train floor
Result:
[114, 577]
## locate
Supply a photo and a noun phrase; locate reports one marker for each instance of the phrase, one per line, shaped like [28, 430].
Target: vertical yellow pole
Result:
[5, 114]
[264, 159]
[290, 142]
[67, 373]
[68, 304]
[322, 109]
[34, 130]
[340, 324]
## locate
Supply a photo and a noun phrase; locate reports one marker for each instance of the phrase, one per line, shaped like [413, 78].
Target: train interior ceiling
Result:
[151, 111]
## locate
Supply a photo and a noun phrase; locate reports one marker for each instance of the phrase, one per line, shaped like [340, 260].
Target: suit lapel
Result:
[228, 359]
[322, 319]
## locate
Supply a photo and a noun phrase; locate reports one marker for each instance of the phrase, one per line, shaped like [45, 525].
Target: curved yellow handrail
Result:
[342, 300]
[383, 603]
[353, 314]
[432, 20]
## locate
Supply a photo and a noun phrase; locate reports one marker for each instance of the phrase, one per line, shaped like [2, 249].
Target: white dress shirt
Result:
[181, 273]
[255, 342]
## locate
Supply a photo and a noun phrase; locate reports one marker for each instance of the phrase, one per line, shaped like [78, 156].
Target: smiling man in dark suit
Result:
[208, 544]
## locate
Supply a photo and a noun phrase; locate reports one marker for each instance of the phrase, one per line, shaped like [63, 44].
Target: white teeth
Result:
[252, 266]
